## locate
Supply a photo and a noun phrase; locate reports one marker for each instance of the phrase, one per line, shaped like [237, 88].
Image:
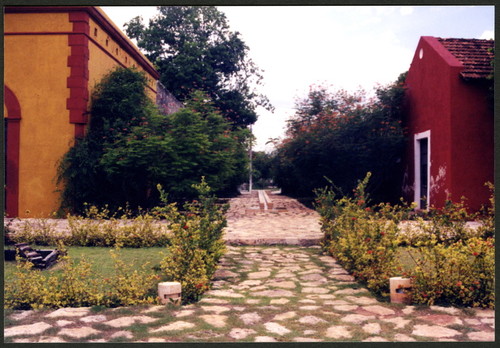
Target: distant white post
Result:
[250, 155]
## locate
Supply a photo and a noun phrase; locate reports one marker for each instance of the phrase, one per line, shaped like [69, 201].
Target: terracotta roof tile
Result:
[476, 55]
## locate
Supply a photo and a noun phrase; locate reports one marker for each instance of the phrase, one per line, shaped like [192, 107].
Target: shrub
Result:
[454, 263]
[362, 241]
[75, 287]
[487, 219]
[451, 263]
[130, 147]
[97, 228]
[28, 288]
[131, 287]
[196, 244]
[119, 103]
[447, 225]
[40, 231]
[460, 273]
[342, 136]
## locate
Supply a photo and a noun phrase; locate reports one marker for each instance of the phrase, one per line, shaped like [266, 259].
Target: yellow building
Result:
[54, 56]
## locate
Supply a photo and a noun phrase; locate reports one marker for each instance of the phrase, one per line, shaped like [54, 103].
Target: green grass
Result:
[102, 262]
[404, 258]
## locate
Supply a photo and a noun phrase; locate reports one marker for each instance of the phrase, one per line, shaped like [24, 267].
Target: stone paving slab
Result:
[288, 223]
[259, 310]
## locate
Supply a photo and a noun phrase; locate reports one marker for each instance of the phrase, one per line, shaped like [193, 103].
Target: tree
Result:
[130, 148]
[340, 137]
[262, 165]
[119, 103]
[194, 49]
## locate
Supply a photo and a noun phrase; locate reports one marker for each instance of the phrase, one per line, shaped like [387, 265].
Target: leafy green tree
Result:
[176, 150]
[130, 148]
[194, 49]
[340, 137]
[119, 103]
[262, 168]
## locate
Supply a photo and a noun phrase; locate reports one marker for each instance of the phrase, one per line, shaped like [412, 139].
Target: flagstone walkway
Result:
[262, 293]
[288, 223]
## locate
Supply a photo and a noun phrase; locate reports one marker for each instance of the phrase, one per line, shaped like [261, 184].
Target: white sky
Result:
[343, 46]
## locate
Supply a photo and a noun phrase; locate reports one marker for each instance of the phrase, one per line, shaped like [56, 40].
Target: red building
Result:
[450, 122]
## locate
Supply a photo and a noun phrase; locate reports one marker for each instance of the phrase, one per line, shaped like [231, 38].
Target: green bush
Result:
[460, 273]
[450, 263]
[141, 231]
[131, 287]
[130, 146]
[453, 263]
[96, 228]
[342, 136]
[487, 219]
[75, 287]
[196, 244]
[40, 231]
[362, 241]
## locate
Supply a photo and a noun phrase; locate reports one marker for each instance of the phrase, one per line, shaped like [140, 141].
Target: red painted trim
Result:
[12, 104]
[12, 156]
[78, 61]
[77, 16]
[78, 41]
[79, 130]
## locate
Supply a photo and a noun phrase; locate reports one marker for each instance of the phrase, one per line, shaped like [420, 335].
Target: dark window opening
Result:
[424, 165]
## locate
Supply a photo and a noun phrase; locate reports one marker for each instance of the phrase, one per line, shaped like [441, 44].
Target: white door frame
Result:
[416, 145]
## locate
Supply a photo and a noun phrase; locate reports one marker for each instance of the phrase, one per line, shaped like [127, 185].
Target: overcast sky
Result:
[345, 47]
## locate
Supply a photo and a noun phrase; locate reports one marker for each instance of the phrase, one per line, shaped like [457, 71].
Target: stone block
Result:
[169, 292]
[399, 288]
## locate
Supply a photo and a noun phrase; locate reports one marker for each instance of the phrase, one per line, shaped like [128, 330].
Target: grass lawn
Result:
[102, 262]
[404, 258]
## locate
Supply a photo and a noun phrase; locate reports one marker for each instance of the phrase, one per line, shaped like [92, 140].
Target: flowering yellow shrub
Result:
[451, 262]
[32, 288]
[364, 242]
[196, 243]
[96, 228]
[462, 273]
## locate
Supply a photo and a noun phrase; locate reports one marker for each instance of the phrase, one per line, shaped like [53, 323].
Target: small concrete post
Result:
[169, 292]
[399, 289]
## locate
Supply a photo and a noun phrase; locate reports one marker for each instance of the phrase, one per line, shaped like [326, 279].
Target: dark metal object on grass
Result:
[40, 258]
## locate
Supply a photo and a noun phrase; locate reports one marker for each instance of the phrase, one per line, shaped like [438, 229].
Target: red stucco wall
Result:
[473, 143]
[461, 126]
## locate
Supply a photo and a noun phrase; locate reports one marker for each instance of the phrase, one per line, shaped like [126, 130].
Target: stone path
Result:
[288, 223]
[261, 293]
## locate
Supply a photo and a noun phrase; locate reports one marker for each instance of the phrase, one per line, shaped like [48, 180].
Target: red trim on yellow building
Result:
[100, 17]
[77, 82]
[75, 56]
[12, 152]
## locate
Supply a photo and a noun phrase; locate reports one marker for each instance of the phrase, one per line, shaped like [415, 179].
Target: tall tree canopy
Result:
[342, 136]
[130, 147]
[194, 49]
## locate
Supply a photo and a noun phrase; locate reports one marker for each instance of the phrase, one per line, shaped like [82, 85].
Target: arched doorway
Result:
[12, 122]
